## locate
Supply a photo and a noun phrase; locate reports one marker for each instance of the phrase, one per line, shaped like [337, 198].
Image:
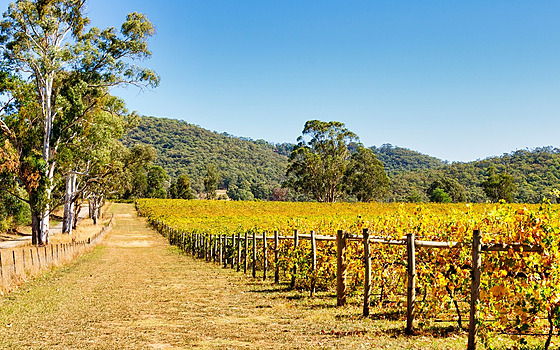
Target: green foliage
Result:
[157, 180]
[365, 176]
[140, 178]
[211, 182]
[48, 46]
[318, 163]
[13, 212]
[439, 195]
[184, 148]
[181, 188]
[414, 197]
[535, 173]
[499, 186]
[448, 188]
[397, 159]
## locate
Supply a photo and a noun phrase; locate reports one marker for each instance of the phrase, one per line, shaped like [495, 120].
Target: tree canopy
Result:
[56, 73]
[322, 166]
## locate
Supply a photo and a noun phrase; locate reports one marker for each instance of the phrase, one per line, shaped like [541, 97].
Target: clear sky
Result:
[459, 80]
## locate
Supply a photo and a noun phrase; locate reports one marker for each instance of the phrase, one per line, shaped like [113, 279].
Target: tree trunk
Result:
[95, 207]
[76, 213]
[37, 237]
[68, 220]
[100, 204]
[35, 228]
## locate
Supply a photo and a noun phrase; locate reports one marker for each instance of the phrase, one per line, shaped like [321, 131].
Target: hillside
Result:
[536, 173]
[183, 148]
[398, 159]
[253, 169]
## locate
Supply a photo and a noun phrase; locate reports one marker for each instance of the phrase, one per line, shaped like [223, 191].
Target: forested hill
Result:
[253, 167]
[536, 173]
[398, 159]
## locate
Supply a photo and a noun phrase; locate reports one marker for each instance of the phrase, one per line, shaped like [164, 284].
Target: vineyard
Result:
[428, 260]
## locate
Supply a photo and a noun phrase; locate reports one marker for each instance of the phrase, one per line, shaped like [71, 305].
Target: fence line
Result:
[20, 263]
[219, 249]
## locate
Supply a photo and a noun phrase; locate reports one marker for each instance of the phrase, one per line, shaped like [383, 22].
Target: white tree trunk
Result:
[69, 204]
[46, 92]
[94, 208]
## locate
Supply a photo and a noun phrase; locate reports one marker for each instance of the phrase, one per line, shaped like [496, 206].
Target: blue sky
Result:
[459, 80]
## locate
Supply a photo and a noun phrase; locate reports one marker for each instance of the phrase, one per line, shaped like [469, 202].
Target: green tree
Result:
[46, 44]
[365, 176]
[317, 165]
[451, 187]
[134, 178]
[181, 188]
[157, 180]
[211, 182]
[499, 186]
[439, 195]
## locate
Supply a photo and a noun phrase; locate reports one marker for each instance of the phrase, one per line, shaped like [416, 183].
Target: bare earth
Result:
[136, 292]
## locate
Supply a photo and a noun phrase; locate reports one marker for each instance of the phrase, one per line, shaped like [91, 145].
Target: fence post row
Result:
[215, 248]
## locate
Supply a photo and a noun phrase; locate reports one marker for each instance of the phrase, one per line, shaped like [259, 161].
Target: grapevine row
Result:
[518, 288]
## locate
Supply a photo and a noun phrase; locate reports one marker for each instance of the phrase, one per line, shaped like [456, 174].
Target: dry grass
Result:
[137, 292]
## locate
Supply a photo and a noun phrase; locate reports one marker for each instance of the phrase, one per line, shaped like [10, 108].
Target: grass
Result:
[136, 292]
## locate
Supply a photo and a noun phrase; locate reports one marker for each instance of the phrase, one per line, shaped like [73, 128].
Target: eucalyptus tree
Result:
[91, 163]
[365, 176]
[211, 181]
[317, 165]
[50, 45]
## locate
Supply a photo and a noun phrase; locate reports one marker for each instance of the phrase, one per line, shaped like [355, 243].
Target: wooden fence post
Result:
[411, 285]
[276, 252]
[245, 252]
[226, 251]
[254, 254]
[295, 267]
[313, 263]
[232, 250]
[367, 277]
[2, 267]
[221, 250]
[475, 289]
[14, 259]
[341, 242]
[238, 251]
[265, 257]
[211, 248]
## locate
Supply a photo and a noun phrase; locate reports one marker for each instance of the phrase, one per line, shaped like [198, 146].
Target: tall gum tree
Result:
[41, 43]
[318, 162]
